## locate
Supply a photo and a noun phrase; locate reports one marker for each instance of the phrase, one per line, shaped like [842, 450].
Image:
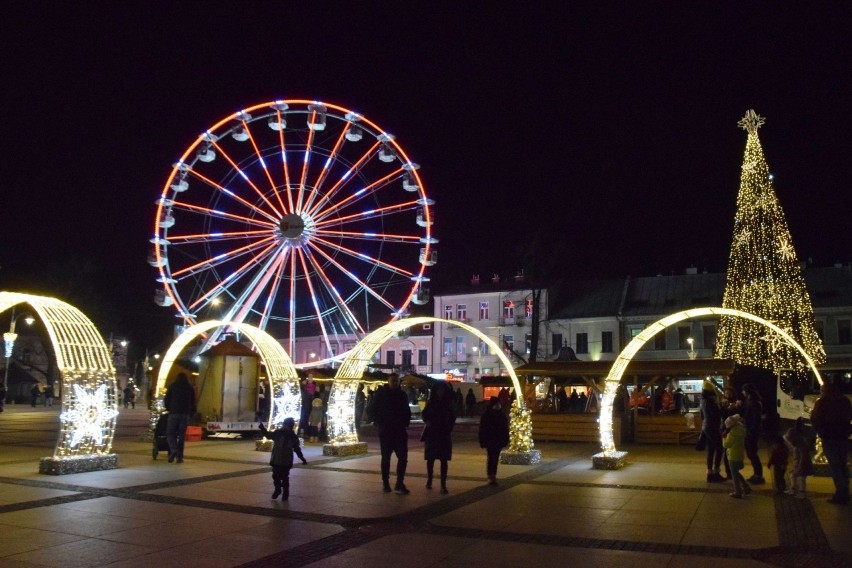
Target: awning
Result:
[668, 367]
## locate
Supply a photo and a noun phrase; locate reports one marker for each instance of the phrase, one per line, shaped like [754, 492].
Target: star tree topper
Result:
[751, 121]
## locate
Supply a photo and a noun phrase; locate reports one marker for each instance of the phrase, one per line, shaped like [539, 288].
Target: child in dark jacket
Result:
[779, 456]
[284, 444]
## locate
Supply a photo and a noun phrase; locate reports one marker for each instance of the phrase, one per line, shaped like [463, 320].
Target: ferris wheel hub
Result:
[292, 228]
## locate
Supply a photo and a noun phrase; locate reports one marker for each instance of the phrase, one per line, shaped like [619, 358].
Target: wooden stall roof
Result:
[672, 367]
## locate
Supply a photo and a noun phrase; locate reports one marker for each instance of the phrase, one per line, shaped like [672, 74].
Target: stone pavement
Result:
[215, 510]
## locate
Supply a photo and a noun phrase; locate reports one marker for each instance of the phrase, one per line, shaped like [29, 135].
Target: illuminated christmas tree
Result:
[764, 277]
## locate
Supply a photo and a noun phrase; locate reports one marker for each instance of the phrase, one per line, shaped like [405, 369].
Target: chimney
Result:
[519, 277]
[692, 270]
[495, 279]
[474, 280]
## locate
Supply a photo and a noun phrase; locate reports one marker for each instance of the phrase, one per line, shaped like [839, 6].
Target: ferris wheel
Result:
[300, 217]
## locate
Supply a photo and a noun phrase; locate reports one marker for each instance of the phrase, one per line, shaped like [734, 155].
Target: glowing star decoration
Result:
[774, 341]
[751, 121]
[786, 248]
[749, 166]
[742, 238]
[341, 413]
[89, 415]
[286, 405]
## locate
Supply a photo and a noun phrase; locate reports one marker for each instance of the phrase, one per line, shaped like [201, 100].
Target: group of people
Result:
[731, 430]
[575, 402]
[391, 413]
[36, 392]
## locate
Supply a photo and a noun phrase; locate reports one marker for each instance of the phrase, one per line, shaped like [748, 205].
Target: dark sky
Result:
[609, 131]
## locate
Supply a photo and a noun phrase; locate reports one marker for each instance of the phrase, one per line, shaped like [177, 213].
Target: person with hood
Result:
[439, 417]
[284, 444]
[734, 443]
[493, 436]
[180, 403]
[752, 417]
[711, 431]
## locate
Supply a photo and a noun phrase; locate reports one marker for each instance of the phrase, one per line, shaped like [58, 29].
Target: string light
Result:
[764, 277]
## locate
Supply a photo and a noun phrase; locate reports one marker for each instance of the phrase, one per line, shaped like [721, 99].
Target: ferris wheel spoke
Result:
[221, 214]
[317, 310]
[361, 284]
[209, 237]
[366, 258]
[383, 237]
[291, 305]
[348, 175]
[207, 297]
[324, 172]
[332, 290]
[396, 208]
[209, 263]
[256, 286]
[273, 290]
[284, 166]
[305, 164]
[262, 162]
[358, 195]
[233, 195]
[245, 177]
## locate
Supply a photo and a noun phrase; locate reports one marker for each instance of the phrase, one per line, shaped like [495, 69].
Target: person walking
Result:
[392, 415]
[470, 402]
[439, 417]
[493, 436]
[34, 394]
[48, 394]
[734, 443]
[285, 443]
[180, 403]
[128, 396]
[752, 417]
[831, 417]
[711, 430]
[316, 418]
[802, 464]
[779, 456]
[360, 402]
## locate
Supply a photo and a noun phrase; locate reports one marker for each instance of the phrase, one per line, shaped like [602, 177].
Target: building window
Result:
[606, 342]
[555, 343]
[709, 339]
[528, 308]
[844, 332]
[461, 348]
[483, 310]
[684, 332]
[509, 309]
[390, 358]
[406, 358]
[422, 357]
[483, 348]
[582, 343]
[461, 312]
[634, 331]
[528, 343]
[448, 347]
[509, 344]
[448, 312]
[660, 341]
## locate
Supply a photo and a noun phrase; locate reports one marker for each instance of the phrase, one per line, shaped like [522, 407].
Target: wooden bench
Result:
[665, 429]
[568, 427]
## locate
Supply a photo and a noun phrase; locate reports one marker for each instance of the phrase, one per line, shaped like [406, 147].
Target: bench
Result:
[665, 429]
[569, 427]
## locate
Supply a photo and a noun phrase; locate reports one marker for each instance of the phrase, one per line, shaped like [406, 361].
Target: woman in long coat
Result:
[440, 417]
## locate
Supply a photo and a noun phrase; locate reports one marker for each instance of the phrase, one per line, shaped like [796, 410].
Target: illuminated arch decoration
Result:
[341, 407]
[88, 405]
[282, 375]
[610, 458]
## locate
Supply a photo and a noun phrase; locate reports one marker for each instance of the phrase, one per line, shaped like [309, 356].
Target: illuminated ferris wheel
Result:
[300, 217]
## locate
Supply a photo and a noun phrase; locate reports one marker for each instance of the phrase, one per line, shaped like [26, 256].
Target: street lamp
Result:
[9, 339]
[476, 350]
[692, 352]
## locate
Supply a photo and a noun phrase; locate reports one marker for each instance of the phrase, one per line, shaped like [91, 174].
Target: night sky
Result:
[608, 134]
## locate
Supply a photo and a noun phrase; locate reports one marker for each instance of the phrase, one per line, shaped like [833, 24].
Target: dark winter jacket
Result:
[180, 397]
[284, 444]
[391, 412]
[439, 418]
[493, 429]
[711, 416]
[752, 415]
[832, 415]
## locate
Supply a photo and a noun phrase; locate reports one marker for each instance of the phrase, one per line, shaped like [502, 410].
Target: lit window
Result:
[483, 310]
[528, 308]
[448, 312]
[461, 311]
[448, 347]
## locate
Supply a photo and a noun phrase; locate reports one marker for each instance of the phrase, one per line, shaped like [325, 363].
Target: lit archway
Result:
[282, 375]
[88, 405]
[341, 402]
[613, 379]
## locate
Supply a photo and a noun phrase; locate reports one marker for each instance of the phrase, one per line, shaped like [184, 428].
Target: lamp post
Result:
[692, 352]
[476, 350]
[9, 339]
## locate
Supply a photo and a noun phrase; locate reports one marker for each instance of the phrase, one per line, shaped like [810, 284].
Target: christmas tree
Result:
[764, 277]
